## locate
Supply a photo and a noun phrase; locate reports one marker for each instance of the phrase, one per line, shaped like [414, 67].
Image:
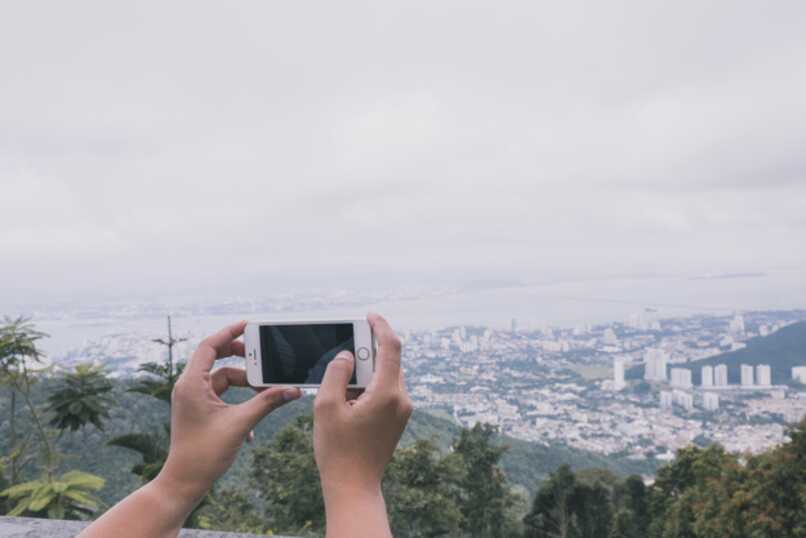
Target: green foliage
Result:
[82, 399]
[231, 509]
[423, 492]
[160, 381]
[286, 479]
[485, 498]
[18, 339]
[152, 448]
[70, 496]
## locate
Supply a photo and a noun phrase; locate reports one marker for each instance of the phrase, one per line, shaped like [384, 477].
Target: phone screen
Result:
[299, 354]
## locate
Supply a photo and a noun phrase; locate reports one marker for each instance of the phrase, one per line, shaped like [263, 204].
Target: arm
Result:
[206, 434]
[354, 440]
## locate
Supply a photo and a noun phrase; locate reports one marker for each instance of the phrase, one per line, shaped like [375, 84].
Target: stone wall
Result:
[24, 527]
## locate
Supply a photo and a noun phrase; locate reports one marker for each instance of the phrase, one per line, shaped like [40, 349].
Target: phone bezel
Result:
[362, 334]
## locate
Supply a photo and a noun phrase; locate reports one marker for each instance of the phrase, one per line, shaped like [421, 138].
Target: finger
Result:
[250, 437]
[402, 382]
[237, 349]
[333, 390]
[387, 371]
[263, 403]
[216, 346]
[226, 377]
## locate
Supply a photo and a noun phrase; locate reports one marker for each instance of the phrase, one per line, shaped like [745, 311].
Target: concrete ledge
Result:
[26, 527]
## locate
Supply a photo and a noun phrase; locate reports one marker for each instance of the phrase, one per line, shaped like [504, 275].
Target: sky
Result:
[149, 147]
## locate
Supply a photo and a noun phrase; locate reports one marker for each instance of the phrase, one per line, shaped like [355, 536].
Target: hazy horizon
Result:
[159, 148]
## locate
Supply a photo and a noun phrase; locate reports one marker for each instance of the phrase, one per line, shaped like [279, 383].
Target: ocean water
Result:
[561, 304]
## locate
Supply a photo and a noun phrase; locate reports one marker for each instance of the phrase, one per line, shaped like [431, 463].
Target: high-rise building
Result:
[618, 373]
[683, 399]
[681, 378]
[707, 376]
[655, 361]
[609, 337]
[721, 375]
[666, 399]
[514, 325]
[747, 375]
[764, 375]
[736, 326]
[799, 374]
[710, 401]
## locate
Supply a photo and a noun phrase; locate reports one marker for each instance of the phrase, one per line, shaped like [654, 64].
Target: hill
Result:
[526, 464]
[783, 350]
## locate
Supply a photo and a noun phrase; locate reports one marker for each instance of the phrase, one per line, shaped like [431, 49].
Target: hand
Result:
[206, 432]
[354, 440]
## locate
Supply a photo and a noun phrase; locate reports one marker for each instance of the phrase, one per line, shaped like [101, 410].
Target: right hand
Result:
[354, 440]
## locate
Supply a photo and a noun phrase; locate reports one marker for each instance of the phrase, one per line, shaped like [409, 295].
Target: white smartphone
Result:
[296, 353]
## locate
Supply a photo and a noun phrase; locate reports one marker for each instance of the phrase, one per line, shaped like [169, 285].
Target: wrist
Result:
[187, 491]
[345, 499]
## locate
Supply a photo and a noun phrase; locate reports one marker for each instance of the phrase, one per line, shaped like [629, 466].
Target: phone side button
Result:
[363, 353]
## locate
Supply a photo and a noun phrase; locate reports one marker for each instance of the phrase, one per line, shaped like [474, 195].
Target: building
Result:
[799, 374]
[764, 375]
[707, 376]
[710, 401]
[681, 378]
[736, 326]
[747, 375]
[609, 337]
[666, 399]
[618, 374]
[683, 399]
[721, 375]
[655, 361]
[514, 325]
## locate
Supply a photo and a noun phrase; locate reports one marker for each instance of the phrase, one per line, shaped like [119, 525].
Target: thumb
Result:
[334, 383]
[263, 403]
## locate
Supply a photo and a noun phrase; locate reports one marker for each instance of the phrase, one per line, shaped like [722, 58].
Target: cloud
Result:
[149, 146]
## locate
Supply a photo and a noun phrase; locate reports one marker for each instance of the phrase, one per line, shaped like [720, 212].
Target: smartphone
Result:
[296, 353]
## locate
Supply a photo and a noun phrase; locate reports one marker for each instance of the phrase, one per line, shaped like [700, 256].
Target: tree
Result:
[158, 383]
[169, 343]
[286, 480]
[153, 449]
[70, 496]
[631, 501]
[566, 507]
[82, 399]
[422, 491]
[67, 496]
[485, 498]
[18, 351]
[552, 509]
[231, 510]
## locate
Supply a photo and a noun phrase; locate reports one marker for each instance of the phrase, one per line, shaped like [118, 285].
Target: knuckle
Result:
[406, 407]
[391, 400]
[323, 405]
[395, 344]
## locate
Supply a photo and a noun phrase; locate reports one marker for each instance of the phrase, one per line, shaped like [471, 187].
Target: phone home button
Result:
[363, 353]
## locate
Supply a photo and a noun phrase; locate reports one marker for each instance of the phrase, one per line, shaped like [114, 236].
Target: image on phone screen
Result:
[299, 354]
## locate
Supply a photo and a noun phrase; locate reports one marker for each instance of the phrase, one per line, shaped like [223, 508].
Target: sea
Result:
[555, 304]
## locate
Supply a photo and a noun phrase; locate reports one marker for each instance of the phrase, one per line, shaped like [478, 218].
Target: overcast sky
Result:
[199, 145]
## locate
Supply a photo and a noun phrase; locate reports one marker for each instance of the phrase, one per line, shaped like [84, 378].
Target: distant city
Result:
[639, 388]
[574, 385]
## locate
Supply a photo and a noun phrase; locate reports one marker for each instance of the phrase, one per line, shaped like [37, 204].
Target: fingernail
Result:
[291, 394]
[345, 355]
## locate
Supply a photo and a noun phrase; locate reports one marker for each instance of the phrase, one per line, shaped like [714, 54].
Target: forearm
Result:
[354, 512]
[156, 510]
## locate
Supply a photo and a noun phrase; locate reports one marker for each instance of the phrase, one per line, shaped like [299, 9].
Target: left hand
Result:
[206, 432]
